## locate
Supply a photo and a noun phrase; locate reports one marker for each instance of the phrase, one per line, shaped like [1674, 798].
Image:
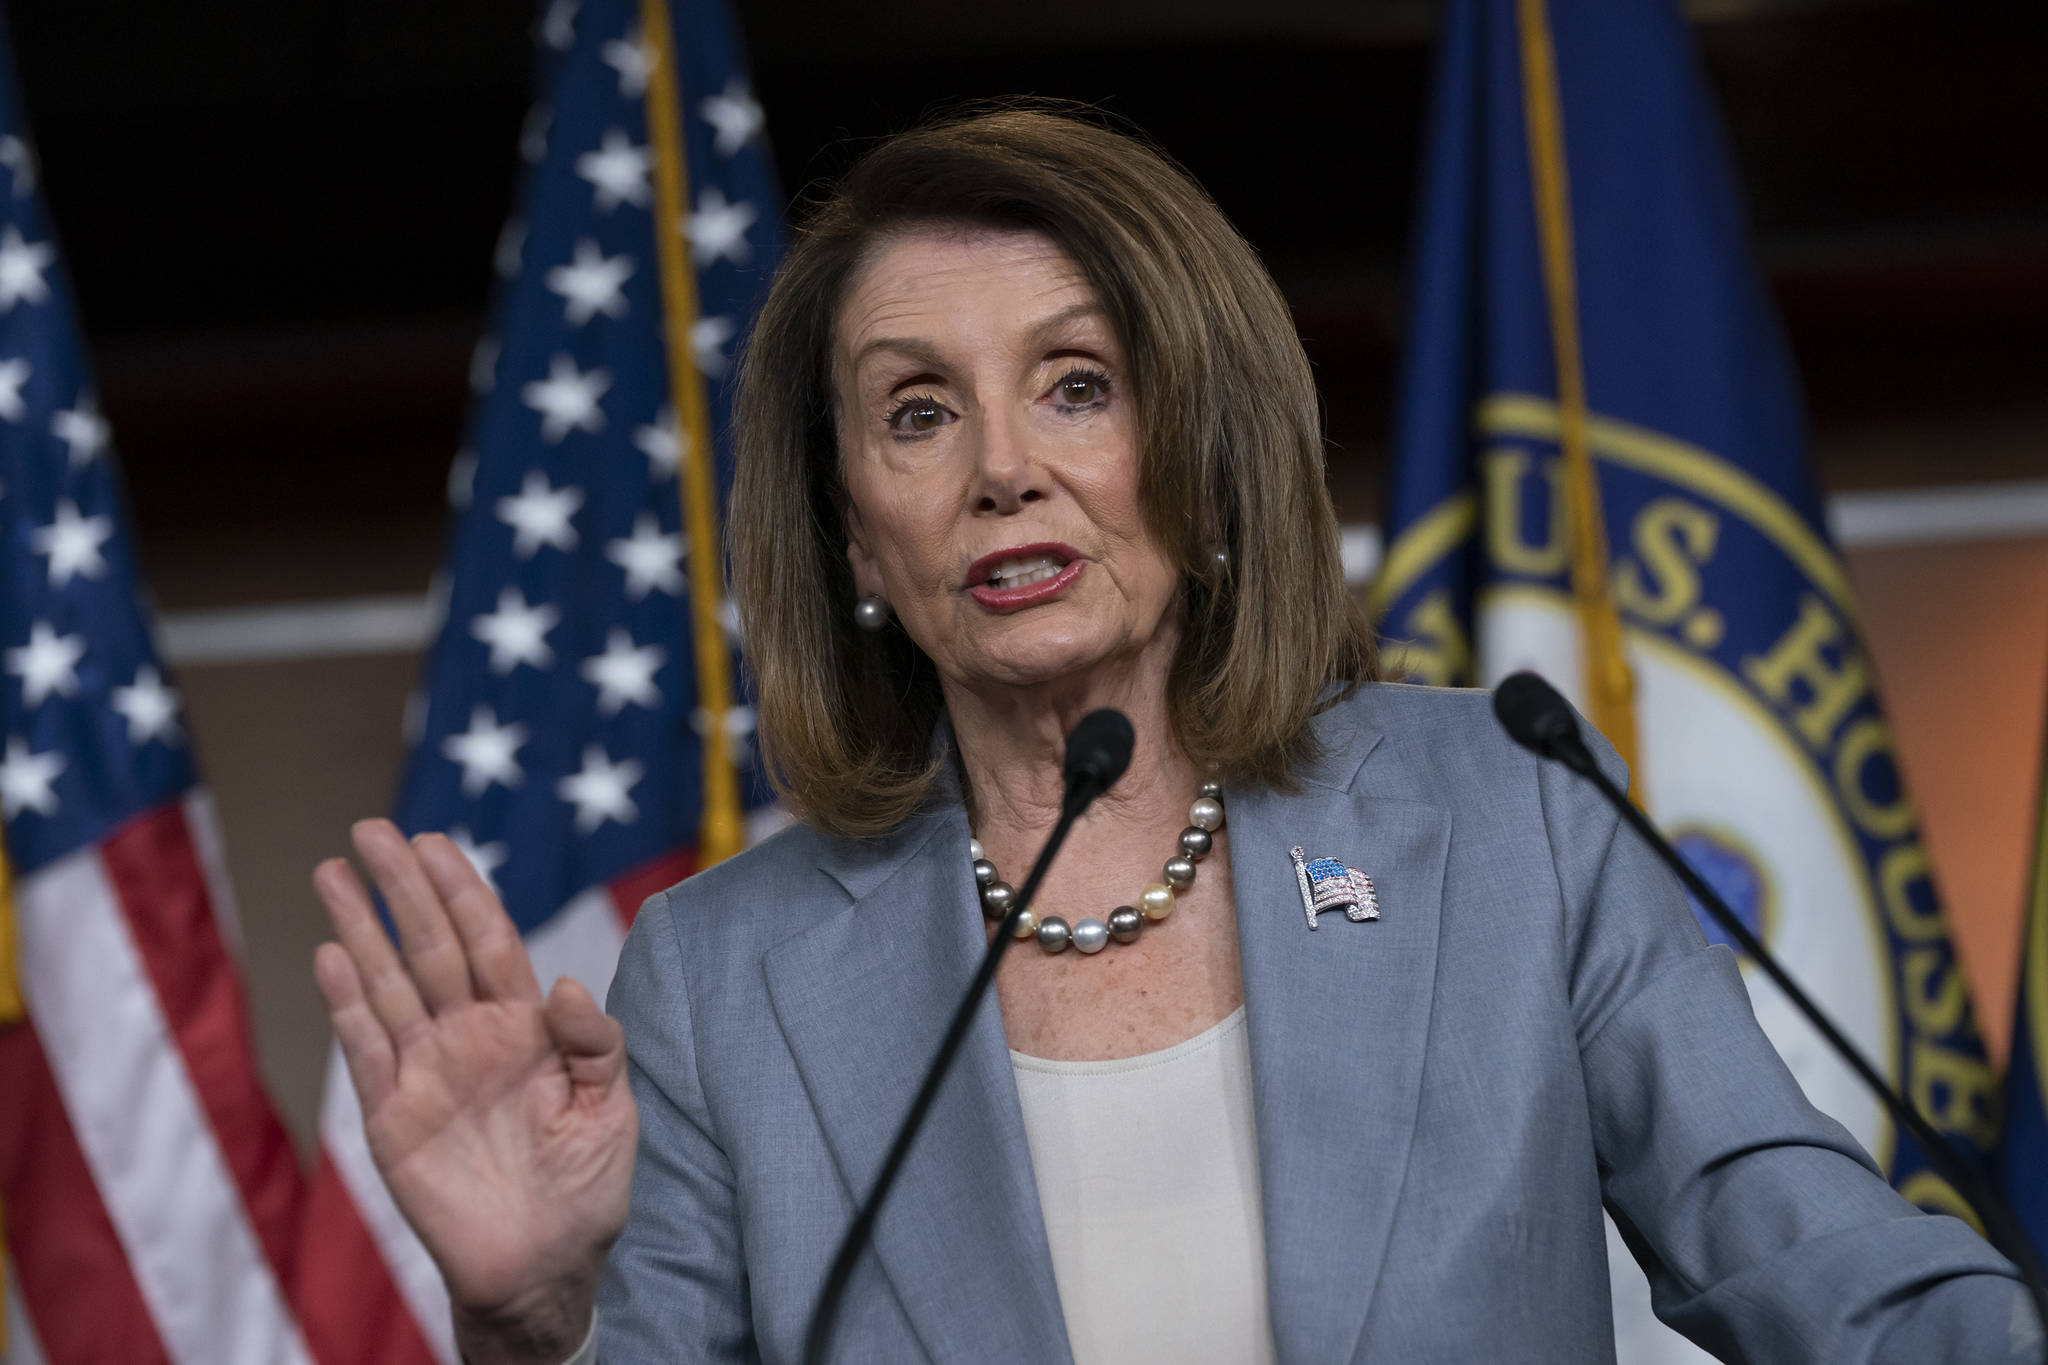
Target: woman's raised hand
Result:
[500, 1120]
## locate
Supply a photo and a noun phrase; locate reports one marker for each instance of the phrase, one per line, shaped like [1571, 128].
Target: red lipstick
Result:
[999, 599]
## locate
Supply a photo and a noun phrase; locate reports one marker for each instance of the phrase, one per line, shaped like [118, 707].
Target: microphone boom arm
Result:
[1529, 710]
[1098, 752]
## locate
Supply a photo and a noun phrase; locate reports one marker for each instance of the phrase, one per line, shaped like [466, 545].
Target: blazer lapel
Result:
[862, 1000]
[1338, 1021]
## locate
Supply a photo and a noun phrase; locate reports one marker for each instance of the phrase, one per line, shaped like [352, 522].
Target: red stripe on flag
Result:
[348, 1303]
[161, 888]
[629, 891]
[74, 1275]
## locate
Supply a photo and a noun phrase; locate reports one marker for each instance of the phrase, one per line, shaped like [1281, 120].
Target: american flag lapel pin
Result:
[1327, 884]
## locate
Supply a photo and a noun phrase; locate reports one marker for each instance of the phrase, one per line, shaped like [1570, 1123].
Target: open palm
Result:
[500, 1120]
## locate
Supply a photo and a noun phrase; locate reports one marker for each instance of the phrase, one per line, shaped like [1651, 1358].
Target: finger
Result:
[433, 953]
[593, 1045]
[365, 1046]
[497, 958]
[387, 987]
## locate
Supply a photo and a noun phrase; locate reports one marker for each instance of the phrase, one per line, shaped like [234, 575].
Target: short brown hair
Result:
[1231, 459]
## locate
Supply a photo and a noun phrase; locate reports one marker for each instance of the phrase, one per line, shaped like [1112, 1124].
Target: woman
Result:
[1025, 431]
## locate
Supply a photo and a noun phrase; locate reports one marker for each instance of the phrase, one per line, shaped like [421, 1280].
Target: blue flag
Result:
[582, 682]
[1600, 473]
[2023, 1152]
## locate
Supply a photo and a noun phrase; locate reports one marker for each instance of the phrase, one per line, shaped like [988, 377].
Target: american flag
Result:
[149, 1193]
[557, 737]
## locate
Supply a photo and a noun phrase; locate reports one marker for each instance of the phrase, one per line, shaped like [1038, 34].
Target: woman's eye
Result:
[915, 416]
[1082, 389]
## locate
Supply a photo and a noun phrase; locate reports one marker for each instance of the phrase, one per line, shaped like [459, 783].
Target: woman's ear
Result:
[867, 575]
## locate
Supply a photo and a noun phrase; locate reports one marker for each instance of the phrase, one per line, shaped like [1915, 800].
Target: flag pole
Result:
[1610, 687]
[2032, 1015]
[722, 832]
[13, 1009]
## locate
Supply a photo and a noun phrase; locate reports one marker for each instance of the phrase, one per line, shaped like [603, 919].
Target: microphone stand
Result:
[2001, 1225]
[1080, 792]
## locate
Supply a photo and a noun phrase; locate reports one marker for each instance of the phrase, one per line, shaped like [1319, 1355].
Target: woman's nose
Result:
[1009, 474]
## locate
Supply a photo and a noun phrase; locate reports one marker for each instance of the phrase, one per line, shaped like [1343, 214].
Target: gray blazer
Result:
[1444, 1098]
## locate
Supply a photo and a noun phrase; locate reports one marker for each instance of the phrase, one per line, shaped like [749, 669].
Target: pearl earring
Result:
[871, 613]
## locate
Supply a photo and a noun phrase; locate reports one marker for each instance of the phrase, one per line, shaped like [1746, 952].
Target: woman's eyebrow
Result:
[1047, 329]
[911, 348]
[1042, 333]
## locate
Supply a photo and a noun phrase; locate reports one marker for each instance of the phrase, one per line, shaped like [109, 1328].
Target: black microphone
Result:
[1098, 751]
[1541, 721]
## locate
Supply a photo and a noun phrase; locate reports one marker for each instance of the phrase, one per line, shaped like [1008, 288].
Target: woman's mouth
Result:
[1023, 576]
[1023, 572]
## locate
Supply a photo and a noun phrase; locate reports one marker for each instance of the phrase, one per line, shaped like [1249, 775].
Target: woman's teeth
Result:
[1022, 573]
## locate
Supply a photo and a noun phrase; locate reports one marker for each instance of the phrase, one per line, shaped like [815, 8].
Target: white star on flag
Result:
[47, 663]
[26, 778]
[718, 230]
[517, 633]
[485, 858]
[707, 344]
[539, 515]
[462, 479]
[83, 429]
[617, 172]
[599, 791]
[651, 560]
[73, 544]
[558, 25]
[739, 730]
[483, 366]
[510, 252]
[16, 156]
[624, 673]
[533, 133]
[22, 264]
[735, 116]
[567, 399]
[150, 706]
[13, 374]
[487, 751]
[589, 284]
[440, 589]
[661, 441]
[632, 58]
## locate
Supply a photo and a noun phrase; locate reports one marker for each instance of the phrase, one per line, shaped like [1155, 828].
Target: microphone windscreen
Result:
[1099, 750]
[1534, 715]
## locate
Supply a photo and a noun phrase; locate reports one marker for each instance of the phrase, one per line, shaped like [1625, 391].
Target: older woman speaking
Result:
[1024, 430]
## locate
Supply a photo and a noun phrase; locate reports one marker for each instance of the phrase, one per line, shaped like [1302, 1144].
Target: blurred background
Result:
[281, 222]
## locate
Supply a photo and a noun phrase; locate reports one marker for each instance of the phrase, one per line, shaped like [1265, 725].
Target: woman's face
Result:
[990, 446]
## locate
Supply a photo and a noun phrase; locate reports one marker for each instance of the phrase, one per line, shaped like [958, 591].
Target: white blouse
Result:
[1148, 1175]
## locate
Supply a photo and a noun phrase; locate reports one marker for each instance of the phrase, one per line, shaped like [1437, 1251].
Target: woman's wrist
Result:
[544, 1328]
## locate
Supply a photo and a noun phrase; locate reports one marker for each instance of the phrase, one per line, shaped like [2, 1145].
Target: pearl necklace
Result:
[1155, 903]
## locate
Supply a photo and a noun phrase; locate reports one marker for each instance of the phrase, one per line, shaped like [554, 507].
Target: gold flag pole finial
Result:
[1610, 687]
[723, 831]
